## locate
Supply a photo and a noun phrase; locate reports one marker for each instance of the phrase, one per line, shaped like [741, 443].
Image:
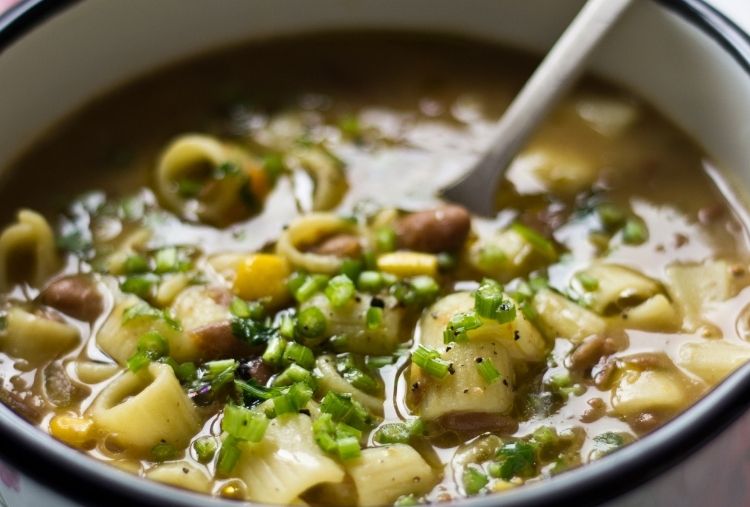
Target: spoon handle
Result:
[552, 78]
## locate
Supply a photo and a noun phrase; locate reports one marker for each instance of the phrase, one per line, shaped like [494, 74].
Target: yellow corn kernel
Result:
[408, 264]
[72, 430]
[263, 276]
[500, 485]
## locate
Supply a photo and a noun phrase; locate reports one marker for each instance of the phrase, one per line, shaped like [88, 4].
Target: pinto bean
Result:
[592, 349]
[27, 405]
[339, 245]
[479, 422]
[437, 230]
[597, 409]
[77, 296]
[60, 389]
[216, 341]
[255, 369]
[649, 361]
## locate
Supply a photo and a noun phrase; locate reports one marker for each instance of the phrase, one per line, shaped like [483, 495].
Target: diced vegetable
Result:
[263, 277]
[406, 264]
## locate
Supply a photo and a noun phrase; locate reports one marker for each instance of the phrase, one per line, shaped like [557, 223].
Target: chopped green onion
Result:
[491, 257]
[429, 360]
[359, 379]
[487, 298]
[323, 431]
[538, 242]
[286, 328]
[239, 308]
[153, 344]
[283, 405]
[252, 391]
[425, 288]
[167, 260]
[309, 287]
[404, 293]
[588, 282]
[274, 351]
[138, 361]
[385, 239]
[163, 452]
[220, 372]
[506, 312]
[299, 354]
[311, 322]
[244, 424]
[340, 290]
[474, 480]
[293, 374]
[446, 261]
[300, 393]
[487, 370]
[399, 433]
[295, 281]
[344, 430]
[374, 317]
[185, 372]
[343, 409]
[136, 264]
[634, 232]
[348, 447]
[459, 325]
[205, 448]
[379, 361]
[538, 283]
[370, 281]
[528, 311]
[351, 268]
[545, 437]
[140, 285]
[229, 454]
[611, 216]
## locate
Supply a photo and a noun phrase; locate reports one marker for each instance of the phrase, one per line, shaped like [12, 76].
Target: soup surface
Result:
[240, 280]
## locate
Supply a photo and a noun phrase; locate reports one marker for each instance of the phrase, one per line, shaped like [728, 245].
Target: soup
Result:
[240, 280]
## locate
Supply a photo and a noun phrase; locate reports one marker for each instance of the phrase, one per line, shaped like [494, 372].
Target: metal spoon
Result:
[555, 75]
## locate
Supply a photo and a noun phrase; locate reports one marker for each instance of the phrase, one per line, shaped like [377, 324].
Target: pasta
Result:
[36, 338]
[287, 463]
[183, 474]
[383, 474]
[27, 251]
[192, 159]
[305, 231]
[143, 410]
[349, 322]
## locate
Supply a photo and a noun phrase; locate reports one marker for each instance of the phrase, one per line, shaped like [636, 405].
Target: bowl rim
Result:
[81, 479]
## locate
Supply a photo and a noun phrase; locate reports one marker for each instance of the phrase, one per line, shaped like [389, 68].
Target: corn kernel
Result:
[500, 485]
[72, 430]
[263, 276]
[408, 264]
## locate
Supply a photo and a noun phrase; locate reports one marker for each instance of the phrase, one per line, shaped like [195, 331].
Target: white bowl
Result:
[680, 55]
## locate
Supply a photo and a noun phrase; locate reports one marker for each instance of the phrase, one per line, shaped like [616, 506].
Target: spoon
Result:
[557, 73]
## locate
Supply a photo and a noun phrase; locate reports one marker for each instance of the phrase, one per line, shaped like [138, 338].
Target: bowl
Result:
[684, 57]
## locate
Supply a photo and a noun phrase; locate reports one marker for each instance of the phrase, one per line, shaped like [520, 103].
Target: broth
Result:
[243, 252]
